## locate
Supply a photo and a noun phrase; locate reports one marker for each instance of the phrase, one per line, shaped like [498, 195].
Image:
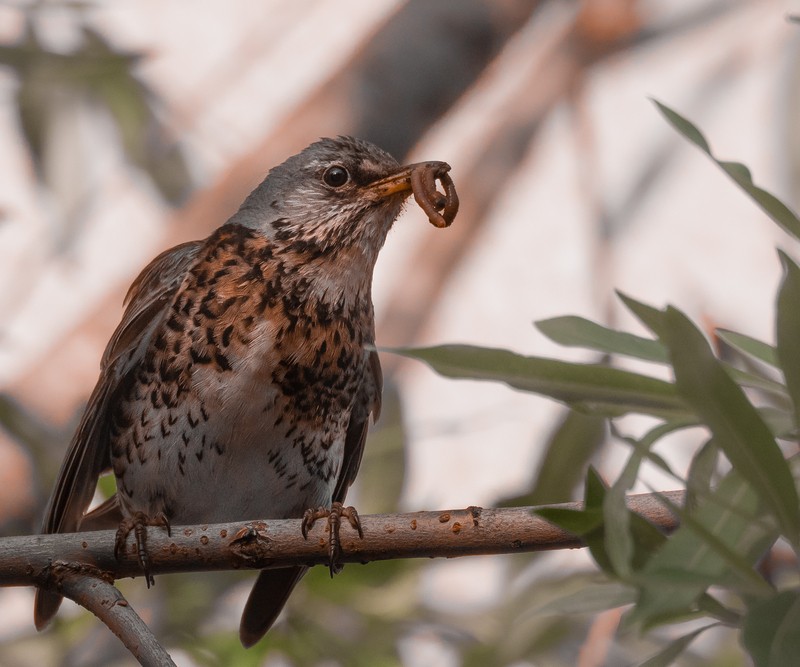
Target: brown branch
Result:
[29, 560]
[82, 566]
[95, 592]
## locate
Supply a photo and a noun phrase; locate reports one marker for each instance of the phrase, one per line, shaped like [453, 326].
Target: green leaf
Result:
[746, 379]
[647, 539]
[595, 493]
[676, 576]
[618, 541]
[739, 572]
[586, 523]
[591, 598]
[574, 331]
[683, 126]
[780, 422]
[590, 525]
[648, 315]
[669, 654]
[577, 522]
[107, 485]
[788, 330]
[740, 174]
[710, 606]
[595, 498]
[592, 388]
[619, 533]
[750, 346]
[701, 470]
[98, 73]
[651, 318]
[770, 630]
[569, 449]
[738, 428]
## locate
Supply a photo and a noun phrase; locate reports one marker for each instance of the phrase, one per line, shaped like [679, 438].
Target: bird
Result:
[241, 379]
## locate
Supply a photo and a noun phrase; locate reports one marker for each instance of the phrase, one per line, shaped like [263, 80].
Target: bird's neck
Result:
[325, 293]
[338, 279]
[346, 274]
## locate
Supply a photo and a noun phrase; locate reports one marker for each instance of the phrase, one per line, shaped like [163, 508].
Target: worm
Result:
[440, 208]
[451, 200]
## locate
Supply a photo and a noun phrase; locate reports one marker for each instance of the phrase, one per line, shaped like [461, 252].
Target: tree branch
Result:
[82, 566]
[96, 593]
[38, 560]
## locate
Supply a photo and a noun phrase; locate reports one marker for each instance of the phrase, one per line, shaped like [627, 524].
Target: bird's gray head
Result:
[337, 194]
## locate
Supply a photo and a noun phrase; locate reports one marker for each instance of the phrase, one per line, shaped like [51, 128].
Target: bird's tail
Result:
[269, 594]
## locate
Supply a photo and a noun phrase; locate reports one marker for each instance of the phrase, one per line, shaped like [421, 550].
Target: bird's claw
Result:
[137, 523]
[334, 516]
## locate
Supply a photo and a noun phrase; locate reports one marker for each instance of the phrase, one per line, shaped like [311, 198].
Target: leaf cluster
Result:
[742, 489]
[95, 75]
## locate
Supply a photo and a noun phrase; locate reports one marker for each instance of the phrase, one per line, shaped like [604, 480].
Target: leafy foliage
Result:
[98, 76]
[710, 567]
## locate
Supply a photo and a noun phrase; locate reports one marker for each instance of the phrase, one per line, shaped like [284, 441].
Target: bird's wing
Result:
[88, 455]
[369, 403]
[147, 297]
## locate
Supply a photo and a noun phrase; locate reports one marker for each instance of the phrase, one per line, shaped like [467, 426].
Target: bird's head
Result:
[336, 195]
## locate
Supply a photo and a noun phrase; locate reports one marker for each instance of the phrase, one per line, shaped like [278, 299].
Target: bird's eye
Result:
[335, 176]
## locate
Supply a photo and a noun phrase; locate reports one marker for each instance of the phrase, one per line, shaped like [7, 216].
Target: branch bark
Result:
[82, 566]
[35, 560]
[99, 595]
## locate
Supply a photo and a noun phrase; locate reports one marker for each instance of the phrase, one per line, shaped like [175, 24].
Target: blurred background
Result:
[127, 127]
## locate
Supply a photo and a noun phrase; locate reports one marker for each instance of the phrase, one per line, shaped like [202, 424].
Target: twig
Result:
[104, 600]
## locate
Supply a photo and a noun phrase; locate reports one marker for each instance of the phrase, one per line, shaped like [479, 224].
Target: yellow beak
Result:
[400, 181]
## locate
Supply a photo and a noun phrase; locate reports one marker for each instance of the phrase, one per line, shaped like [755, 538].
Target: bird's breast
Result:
[241, 405]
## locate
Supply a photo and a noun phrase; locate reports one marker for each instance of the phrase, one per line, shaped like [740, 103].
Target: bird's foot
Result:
[334, 516]
[137, 523]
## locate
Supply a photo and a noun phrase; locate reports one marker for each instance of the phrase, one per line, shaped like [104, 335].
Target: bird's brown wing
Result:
[369, 403]
[88, 455]
[273, 587]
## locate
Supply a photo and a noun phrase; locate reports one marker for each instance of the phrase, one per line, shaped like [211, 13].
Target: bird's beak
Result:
[420, 178]
[400, 181]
